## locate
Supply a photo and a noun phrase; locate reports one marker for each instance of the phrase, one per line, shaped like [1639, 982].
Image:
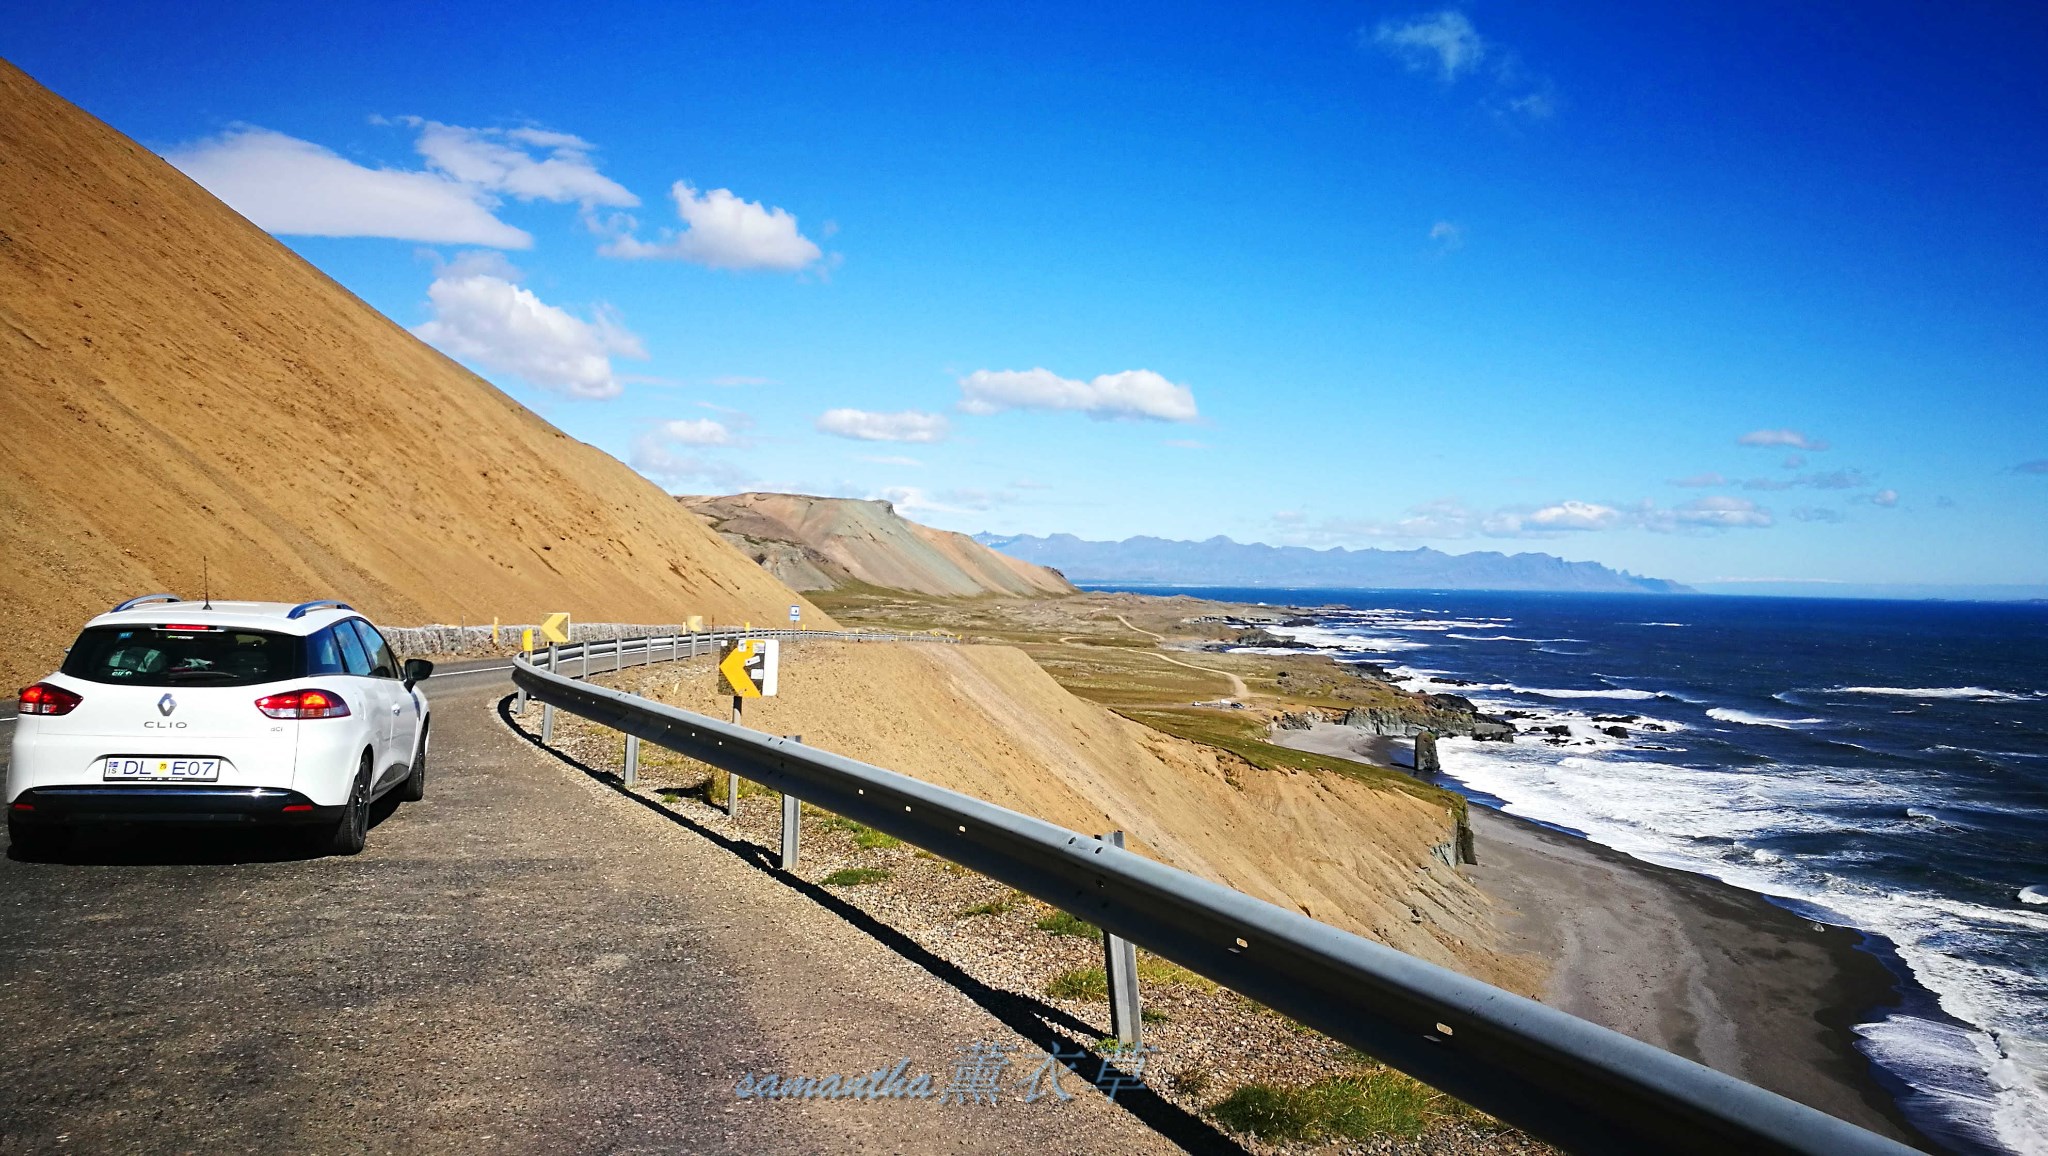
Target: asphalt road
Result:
[525, 961]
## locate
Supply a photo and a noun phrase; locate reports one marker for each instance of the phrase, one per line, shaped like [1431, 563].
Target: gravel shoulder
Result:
[988, 942]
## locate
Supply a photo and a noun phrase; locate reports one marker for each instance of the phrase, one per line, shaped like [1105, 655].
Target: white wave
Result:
[1506, 638]
[1611, 692]
[1975, 692]
[1727, 714]
[1709, 819]
[1662, 624]
[1327, 639]
[2038, 893]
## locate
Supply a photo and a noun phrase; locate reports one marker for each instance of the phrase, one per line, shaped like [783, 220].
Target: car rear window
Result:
[161, 656]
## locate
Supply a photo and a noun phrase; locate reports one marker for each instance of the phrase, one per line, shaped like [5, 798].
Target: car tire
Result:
[414, 788]
[34, 842]
[352, 830]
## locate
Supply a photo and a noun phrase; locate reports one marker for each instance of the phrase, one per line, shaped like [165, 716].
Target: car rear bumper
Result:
[182, 803]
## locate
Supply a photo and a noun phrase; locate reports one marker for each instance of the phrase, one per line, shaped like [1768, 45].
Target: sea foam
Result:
[1729, 714]
[1979, 693]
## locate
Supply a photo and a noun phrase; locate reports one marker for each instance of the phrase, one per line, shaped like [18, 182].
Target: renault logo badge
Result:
[165, 705]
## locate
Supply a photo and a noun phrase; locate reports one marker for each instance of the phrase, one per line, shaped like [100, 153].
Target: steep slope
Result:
[823, 543]
[178, 389]
[1222, 562]
[989, 721]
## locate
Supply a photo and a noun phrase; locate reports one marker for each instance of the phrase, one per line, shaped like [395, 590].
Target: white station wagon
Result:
[242, 713]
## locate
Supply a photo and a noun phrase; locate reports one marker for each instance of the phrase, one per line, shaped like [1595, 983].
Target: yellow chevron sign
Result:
[748, 667]
[555, 628]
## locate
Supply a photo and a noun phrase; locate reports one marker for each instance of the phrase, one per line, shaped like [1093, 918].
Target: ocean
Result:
[1878, 765]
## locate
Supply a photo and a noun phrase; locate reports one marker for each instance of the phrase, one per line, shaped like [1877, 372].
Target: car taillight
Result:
[42, 698]
[303, 704]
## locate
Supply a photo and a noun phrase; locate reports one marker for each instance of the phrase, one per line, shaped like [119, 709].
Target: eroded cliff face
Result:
[814, 543]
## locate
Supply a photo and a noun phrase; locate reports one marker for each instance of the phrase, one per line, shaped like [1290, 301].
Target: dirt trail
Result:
[1238, 690]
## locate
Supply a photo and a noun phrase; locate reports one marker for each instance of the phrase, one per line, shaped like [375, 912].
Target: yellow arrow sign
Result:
[734, 669]
[555, 628]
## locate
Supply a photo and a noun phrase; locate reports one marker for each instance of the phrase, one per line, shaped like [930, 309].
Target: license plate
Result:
[184, 769]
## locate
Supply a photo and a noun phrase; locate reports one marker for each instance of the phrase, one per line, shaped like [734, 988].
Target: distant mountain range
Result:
[1222, 562]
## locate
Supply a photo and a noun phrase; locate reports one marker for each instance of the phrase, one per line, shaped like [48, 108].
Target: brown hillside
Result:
[989, 721]
[826, 543]
[175, 385]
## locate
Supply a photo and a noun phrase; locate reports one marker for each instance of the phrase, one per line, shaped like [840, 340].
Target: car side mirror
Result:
[416, 670]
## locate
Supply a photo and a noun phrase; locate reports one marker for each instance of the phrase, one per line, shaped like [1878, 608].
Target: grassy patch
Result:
[712, 790]
[996, 906]
[1152, 969]
[1152, 1015]
[1067, 923]
[864, 836]
[1382, 1102]
[1242, 737]
[1088, 983]
[855, 876]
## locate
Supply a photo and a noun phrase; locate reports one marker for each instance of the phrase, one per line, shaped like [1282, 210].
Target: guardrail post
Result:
[547, 709]
[632, 774]
[1120, 965]
[732, 781]
[792, 814]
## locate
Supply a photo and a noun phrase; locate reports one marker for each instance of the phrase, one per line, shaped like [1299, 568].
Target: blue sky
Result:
[1485, 276]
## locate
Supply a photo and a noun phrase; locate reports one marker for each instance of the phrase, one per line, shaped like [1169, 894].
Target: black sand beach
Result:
[1688, 963]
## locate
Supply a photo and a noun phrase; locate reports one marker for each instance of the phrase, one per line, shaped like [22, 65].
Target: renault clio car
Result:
[219, 713]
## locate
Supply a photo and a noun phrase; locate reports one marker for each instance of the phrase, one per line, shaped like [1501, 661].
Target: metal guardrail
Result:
[1571, 1082]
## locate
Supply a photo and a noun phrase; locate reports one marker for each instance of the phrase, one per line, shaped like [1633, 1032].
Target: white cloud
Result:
[699, 431]
[1701, 480]
[1817, 514]
[1572, 515]
[722, 231]
[1448, 237]
[1782, 437]
[286, 185]
[1451, 518]
[1444, 41]
[1885, 498]
[864, 425]
[1825, 480]
[660, 455]
[1134, 394]
[909, 499]
[489, 159]
[1187, 444]
[1538, 105]
[487, 319]
[1720, 510]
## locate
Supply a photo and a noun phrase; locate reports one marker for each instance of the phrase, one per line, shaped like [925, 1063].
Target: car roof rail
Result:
[305, 608]
[132, 603]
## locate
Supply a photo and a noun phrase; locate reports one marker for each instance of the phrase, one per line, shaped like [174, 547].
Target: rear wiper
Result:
[178, 675]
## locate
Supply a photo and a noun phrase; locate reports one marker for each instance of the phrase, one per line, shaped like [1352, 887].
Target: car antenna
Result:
[205, 584]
